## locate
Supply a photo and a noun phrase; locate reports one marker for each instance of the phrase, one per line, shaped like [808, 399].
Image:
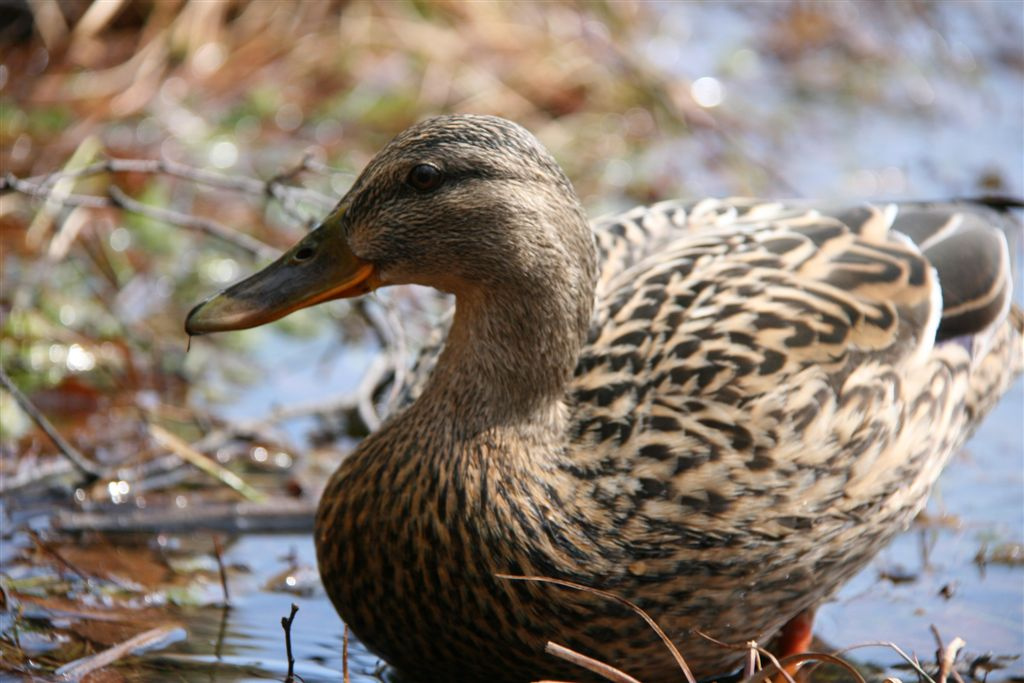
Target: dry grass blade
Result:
[753, 650]
[344, 655]
[776, 664]
[589, 663]
[189, 454]
[780, 666]
[683, 666]
[912, 661]
[946, 656]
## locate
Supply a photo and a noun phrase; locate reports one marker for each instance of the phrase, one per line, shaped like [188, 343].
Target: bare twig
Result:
[28, 188]
[286, 624]
[622, 601]
[589, 663]
[88, 469]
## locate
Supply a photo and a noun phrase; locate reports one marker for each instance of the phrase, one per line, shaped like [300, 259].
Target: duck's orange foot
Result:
[795, 638]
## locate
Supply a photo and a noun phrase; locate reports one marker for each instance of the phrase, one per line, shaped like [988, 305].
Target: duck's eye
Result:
[425, 177]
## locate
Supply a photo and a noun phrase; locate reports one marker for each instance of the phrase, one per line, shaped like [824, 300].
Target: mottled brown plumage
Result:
[719, 410]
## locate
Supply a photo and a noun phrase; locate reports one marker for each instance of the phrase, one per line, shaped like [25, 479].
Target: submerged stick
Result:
[276, 515]
[155, 637]
[218, 553]
[55, 554]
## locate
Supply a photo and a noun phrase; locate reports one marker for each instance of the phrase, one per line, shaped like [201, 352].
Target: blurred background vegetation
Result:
[269, 108]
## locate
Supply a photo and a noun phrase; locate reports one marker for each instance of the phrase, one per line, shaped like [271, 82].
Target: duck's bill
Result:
[319, 268]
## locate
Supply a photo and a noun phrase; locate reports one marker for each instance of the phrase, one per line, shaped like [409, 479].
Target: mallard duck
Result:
[719, 410]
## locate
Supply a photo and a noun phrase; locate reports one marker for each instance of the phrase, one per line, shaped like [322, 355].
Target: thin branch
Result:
[116, 198]
[276, 187]
[88, 469]
[26, 187]
[184, 220]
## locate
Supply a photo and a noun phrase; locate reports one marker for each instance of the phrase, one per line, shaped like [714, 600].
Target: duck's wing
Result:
[790, 354]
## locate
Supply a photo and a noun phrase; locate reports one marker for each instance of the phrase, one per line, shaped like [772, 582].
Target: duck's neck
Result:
[509, 356]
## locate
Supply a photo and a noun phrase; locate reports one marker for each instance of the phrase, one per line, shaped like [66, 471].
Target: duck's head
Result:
[466, 204]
